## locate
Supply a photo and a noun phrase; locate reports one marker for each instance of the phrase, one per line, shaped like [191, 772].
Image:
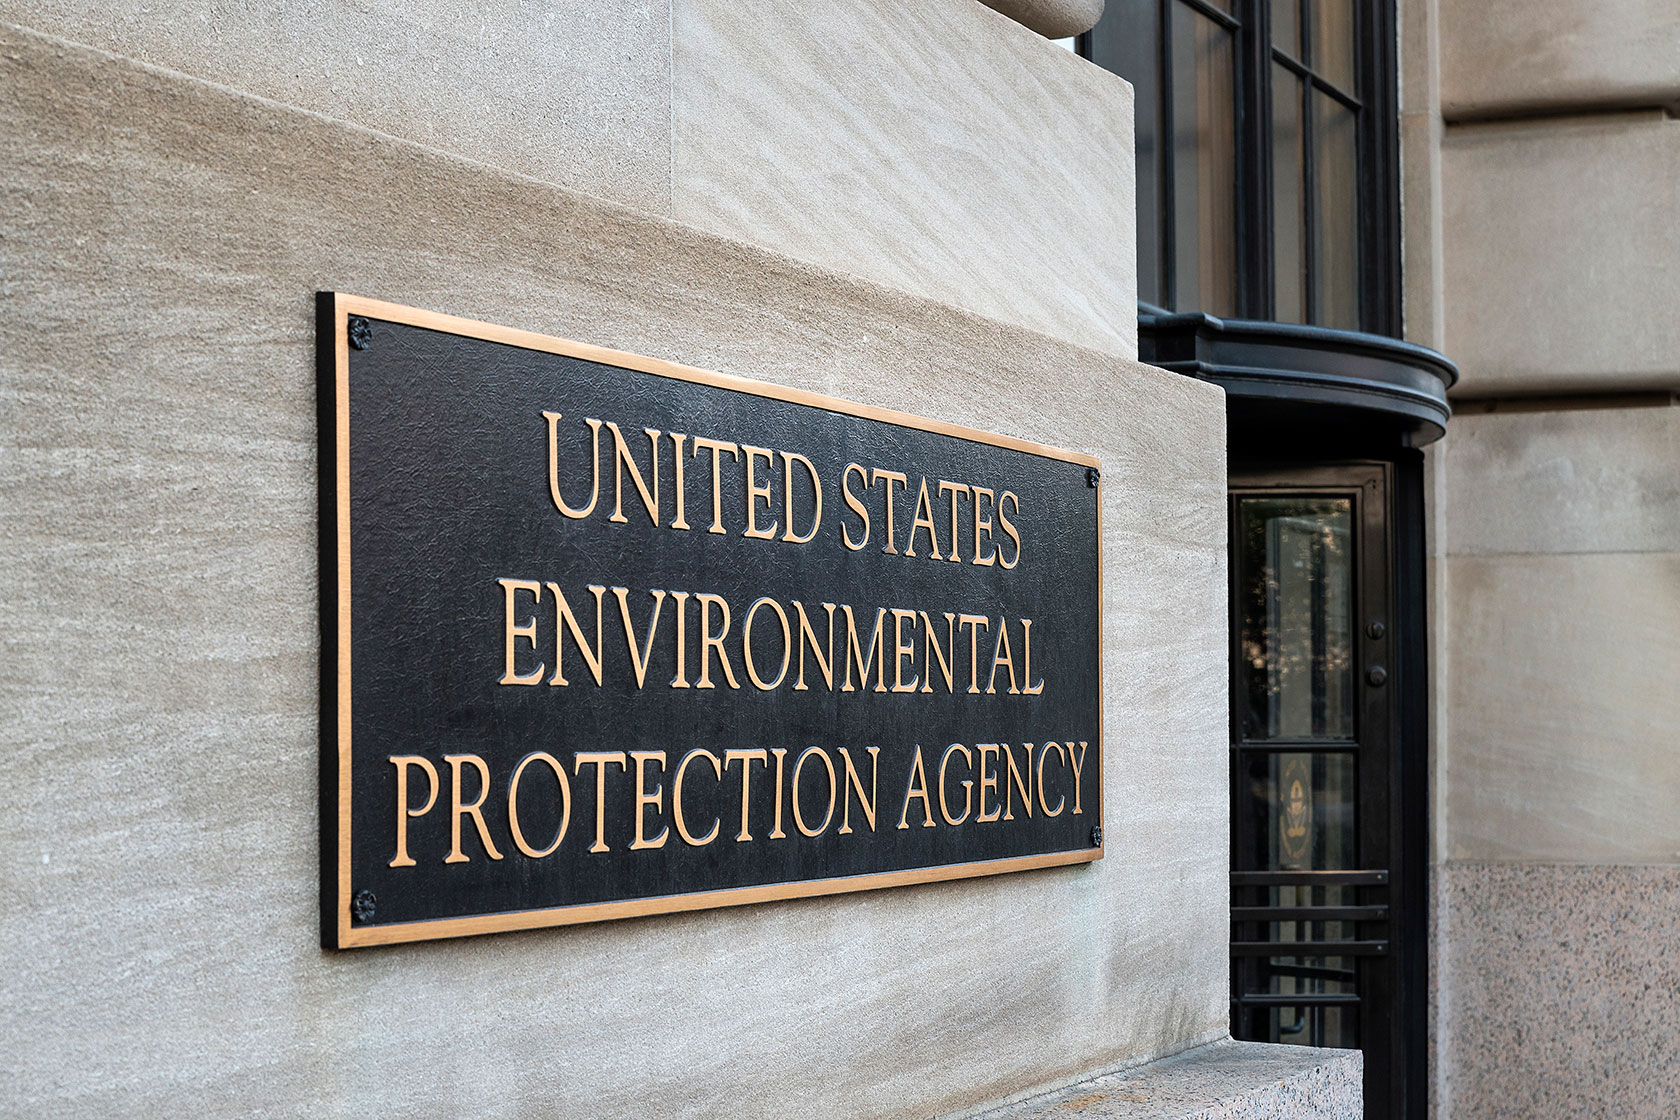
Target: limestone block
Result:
[1420, 186]
[158, 697]
[575, 92]
[1509, 56]
[935, 147]
[1563, 707]
[1562, 991]
[1562, 254]
[1583, 480]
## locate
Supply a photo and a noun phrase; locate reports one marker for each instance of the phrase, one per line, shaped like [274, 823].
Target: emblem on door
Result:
[1295, 816]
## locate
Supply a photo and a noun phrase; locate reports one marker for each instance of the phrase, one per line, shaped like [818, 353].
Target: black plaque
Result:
[565, 684]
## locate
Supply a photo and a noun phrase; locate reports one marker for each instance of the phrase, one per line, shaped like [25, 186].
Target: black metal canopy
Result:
[1285, 371]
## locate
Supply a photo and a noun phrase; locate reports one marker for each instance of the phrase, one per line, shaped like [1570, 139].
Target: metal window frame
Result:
[1375, 101]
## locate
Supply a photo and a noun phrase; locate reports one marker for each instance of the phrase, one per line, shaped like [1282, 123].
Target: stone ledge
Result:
[1252, 1080]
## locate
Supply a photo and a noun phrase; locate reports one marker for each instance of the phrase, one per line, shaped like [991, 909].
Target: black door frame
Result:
[1392, 801]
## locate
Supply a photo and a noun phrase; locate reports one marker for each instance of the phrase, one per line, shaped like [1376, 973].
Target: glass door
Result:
[1312, 754]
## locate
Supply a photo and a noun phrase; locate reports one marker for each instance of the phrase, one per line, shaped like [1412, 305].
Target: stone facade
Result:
[1541, 255]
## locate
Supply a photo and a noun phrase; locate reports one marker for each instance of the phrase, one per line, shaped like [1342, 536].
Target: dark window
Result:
[1266, 156]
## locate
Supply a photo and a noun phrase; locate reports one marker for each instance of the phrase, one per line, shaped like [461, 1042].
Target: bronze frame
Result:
[337, 929]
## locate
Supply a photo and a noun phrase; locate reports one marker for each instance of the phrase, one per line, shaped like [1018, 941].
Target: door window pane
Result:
[1336, 155]
[1296, 624]
[1288, 219]
[1204, 164]
[1301, 806]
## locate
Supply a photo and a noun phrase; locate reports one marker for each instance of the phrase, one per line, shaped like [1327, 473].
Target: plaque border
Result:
[333, 311]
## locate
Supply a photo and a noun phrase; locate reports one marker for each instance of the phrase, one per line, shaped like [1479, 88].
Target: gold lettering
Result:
[553, 419]
[677, 804]
[930, 649]
[527, 630]
[755, 492]
[1078, 763]
[402, 762]
[788, 459]
[798, 815]
[1028, 688]
[877, 655]
[681, 679]
[855, 784]
[923, 505]
[1002, 655]
[902, 649]
[644, 799]
[808, 636]
[918, 787]
[568, 621]
[953, 488]
[745, 758]
[716, 447]
[639, 658]
[621, 459]
[890, 477]
[857, 506]
[1043, 805]
[746, 645]
[513, 803]
[1017, 780]
[968, 785]
[710, 641]
[1008, 527]
[776, 833]
[982, 530]
[988, 781]
[600, 760]
[975, 623]
[474, 810]
[680, 521]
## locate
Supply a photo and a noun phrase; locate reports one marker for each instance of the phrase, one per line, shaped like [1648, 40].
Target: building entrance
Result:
[1322, 912]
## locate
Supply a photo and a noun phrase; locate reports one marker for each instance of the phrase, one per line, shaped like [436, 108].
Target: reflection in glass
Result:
[1301, 804]
[1296, 624]
[1286, 26]
[1127, 41]
[1288, 219]
[1337, 156]
[1332, 45]
[1204, 165]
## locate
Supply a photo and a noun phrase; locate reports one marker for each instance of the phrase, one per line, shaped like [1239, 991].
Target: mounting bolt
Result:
[1377, 676]
[1092, 477]
[361, 332]
[362, 906]
[1375, 631]
[1096, 836]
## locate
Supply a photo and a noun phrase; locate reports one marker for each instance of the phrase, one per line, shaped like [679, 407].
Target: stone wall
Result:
[1560, 845]
[1540, 189]
[158, 702]
[939, 148]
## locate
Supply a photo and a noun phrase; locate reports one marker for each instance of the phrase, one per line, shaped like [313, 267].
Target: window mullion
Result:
[1166, 147]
